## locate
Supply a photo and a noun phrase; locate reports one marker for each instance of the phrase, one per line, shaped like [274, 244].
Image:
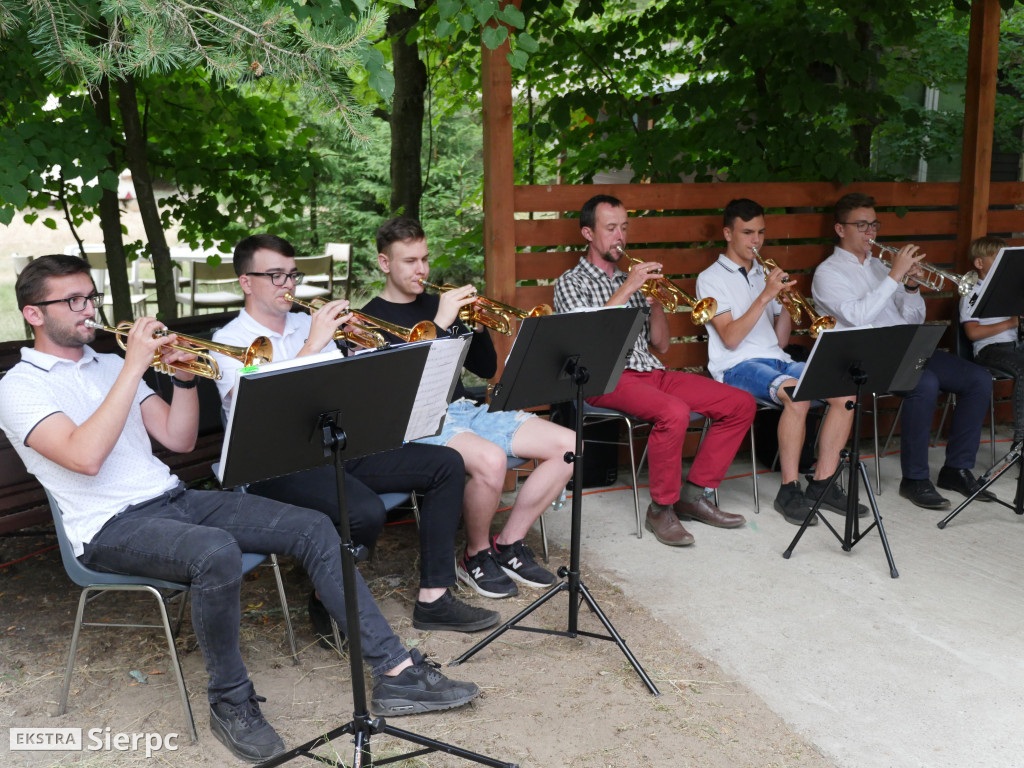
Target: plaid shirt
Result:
[587, 286]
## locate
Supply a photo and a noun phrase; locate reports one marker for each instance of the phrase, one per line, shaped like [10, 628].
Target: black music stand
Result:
[297, 415]
[1002, 295]
[843, 362]
[555, 359]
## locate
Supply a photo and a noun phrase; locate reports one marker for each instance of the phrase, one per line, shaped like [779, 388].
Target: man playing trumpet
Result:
[82, 422]
[648, 391]
[492, 564]
[265, 265]
[745, 349]
[858, 290]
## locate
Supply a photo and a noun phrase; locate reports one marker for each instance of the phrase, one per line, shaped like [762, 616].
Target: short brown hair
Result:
[30, 287]
[401, 229]
[985, 247]
[851, 202]
[246, 248]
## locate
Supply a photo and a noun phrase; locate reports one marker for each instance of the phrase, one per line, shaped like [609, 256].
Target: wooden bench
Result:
[22, 500]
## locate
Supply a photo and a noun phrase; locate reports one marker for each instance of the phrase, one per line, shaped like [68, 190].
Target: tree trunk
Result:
[135, 153]
[406, 116]
[110, 220]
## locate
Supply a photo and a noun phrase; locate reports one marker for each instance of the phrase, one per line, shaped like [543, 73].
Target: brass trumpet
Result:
[259, 352]
[366, 331]
[491, 313]
[670, 295]
[933, 276]
[794, 301]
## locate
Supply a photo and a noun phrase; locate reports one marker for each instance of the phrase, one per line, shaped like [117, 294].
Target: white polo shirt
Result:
[42, 385]
[966, 303]
[735, 290]
[244, 330]
[858, 295]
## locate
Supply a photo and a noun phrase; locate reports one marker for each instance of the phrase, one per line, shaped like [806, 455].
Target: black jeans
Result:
[199, 537]
[1008, 358]
[435, 471]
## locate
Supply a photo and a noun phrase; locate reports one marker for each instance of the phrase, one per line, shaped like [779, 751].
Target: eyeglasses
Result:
[279, 278]
[863, 226]
[75, 303]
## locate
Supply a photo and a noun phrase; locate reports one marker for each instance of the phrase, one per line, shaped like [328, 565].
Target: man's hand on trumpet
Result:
[143, 344]
[451, 302]
[642, 272]
[777, 283]
[326, 321]
[905, 264]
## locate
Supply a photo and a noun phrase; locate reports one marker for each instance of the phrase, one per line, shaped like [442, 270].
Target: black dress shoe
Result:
[922, 493]
[962, 481]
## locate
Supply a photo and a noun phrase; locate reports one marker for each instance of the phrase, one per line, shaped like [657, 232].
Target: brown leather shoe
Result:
[667, 529]
[706, 512]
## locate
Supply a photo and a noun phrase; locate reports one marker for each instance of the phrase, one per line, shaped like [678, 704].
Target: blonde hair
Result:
[985, 248]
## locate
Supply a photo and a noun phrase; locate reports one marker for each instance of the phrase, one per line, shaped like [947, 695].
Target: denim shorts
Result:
[466, 416]
[762, 377]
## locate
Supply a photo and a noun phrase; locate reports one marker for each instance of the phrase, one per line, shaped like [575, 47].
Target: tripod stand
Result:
[835, 368]
[850, 460]
[548, 374]
[287, 418]
[1013, 458]
[362, 726]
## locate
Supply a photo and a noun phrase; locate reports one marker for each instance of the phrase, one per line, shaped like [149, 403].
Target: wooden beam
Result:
[979, 119]
[499, 178]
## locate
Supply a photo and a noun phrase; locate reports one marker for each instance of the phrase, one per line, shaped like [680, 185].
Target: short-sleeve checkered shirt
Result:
[587, 286]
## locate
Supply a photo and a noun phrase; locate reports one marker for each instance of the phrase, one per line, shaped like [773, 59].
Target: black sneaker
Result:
[835, 500]
[321, 621]
[517, 561]
[449, 613]
[243, 730]
[419, 688]
[792, 504]
[482, 573]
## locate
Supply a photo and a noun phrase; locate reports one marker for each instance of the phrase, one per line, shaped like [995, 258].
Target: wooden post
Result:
[979, 119]
[499, 178]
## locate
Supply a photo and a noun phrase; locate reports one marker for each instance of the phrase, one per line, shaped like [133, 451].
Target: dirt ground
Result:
[547, 700]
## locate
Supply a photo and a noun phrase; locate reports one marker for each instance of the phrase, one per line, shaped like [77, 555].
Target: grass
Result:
[11, 324]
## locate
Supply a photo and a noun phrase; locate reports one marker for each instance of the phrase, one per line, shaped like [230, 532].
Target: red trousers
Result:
[666, 399]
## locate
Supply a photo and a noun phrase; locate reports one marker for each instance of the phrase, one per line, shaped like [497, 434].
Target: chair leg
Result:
[992, 424]
[176, 664]
[284, 609]
[543, 536]
[72, 651]
[753, 471]
[415, 508]
[632, 471]
[874, 435]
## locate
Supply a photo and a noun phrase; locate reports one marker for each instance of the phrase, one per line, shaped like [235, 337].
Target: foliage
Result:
[353, 191]
[765, 90]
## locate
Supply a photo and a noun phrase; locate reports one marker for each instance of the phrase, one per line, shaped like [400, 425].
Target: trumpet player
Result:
[265, 265]
[745, 350]
[82, 424]
[650, 392]
[492, 563]
[858, 290]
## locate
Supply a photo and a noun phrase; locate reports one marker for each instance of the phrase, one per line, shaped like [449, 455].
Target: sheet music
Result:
[444, 366]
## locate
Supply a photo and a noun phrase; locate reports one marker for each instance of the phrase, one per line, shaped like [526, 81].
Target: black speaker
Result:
[601, 459]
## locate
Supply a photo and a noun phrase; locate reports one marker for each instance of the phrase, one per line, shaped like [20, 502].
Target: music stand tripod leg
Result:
[573, 585]
[362, 726]
[1014, 457]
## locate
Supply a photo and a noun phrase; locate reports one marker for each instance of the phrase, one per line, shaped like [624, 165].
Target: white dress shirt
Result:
[735, 292]
[860, 295]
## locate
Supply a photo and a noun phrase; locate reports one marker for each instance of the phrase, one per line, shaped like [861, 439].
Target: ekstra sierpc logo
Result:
[95, 740]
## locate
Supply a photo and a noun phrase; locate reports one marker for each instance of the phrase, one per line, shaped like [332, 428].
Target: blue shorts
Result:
[499, 427]
[762, 377]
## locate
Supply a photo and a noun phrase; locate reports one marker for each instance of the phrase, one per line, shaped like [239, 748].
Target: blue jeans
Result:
[499, 427]
[761, 377]
[199, 537]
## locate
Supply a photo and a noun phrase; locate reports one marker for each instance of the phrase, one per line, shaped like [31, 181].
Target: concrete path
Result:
[923, 670]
